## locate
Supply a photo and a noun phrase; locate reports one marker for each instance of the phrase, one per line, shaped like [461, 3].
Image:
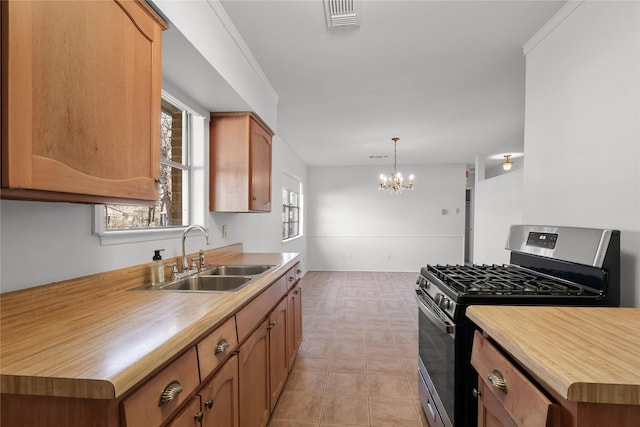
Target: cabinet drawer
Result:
[291, 276]
[249, 317]
[521, 399]
[143, 408]
[216, 346]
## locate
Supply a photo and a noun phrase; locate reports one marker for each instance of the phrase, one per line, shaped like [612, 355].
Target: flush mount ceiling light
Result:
[394, 182]
[506, 165]
[342, 13]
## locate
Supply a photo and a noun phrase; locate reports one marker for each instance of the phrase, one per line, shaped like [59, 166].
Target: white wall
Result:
[352, 226]
[582, 134]
[498, 204]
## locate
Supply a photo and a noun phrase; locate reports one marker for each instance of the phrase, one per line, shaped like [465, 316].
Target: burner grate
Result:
[501, 280]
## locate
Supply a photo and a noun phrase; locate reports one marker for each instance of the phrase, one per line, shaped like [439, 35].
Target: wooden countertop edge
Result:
[564, 386]
[120, 384]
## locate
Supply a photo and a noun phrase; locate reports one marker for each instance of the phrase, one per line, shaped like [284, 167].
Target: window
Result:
[291, 208]
[172, 207]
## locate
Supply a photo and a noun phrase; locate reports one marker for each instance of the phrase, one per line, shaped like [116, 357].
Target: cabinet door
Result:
[81, 101]
[260, 197]
[294, 324]
[191, 416]
[491, 413]
[506, 393]
[253, 376]
[220, 397]
[278, 362]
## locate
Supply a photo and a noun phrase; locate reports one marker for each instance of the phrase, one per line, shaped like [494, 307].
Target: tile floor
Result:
[357, 365]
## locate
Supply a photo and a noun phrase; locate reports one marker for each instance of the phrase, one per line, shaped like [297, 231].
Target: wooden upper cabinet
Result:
[81, 89]
[240, 163]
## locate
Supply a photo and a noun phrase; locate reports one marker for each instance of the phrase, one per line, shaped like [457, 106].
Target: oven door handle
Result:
[436, 315]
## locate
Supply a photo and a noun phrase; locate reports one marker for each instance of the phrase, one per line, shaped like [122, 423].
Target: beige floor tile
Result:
[312, 363]
[358, 362]
[393, 413]
[347, 384]
[298, 406]
[318, 348]
[292, 423]
[348, 348]
[388, 386]
[384, 366]
[353, 365]
[311, 382]
[354, 410]
[381, 352]
[378, 337]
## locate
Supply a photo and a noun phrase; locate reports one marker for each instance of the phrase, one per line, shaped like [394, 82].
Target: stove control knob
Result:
[438, 299]
[422, 282]
[446, 303]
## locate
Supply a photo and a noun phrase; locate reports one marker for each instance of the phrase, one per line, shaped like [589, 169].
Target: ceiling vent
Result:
[341, 13]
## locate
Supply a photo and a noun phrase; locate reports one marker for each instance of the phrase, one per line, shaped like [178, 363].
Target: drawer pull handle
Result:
[497, 380]
[222, 346]
[170, 392]
[198, 417]
[209, 404]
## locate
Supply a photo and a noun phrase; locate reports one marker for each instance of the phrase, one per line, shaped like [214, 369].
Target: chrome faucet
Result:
[185, 264]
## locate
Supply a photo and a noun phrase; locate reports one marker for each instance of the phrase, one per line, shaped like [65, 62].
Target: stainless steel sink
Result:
[204, 283]
[217, 278]
[237, 270]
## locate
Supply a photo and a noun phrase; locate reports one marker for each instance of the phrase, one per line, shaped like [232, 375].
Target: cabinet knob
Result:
[209, 404]
[475, 392]
[291, 279]
[497, 381]
[271, 325]
[297, 291]
[170, 392]
[198, 417]
[222, 345]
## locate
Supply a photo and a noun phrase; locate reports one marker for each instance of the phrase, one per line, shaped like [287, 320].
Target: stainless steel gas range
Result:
[548, 266]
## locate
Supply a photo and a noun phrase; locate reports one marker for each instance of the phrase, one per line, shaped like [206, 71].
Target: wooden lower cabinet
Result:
[491, 413]
[524, 403]
[191, 416]
[278, 361]
[294, 323]
[220, 397]
[507, 398]
[254, 401]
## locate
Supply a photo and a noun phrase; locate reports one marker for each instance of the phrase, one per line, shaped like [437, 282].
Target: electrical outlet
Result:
[224, 231]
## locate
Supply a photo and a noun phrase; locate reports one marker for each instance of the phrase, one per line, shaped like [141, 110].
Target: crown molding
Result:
[229, 26]
[562, 14]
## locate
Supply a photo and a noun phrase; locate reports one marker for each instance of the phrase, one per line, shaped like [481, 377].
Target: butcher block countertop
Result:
[583, 354]
[95, 337]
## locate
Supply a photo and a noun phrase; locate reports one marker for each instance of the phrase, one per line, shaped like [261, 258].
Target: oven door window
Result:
[437, 350]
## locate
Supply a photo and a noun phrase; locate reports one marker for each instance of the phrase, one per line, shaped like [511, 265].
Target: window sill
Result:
[136, 236]
[291, 239]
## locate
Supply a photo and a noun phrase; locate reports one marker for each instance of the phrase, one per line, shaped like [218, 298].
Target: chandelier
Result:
[394, 183]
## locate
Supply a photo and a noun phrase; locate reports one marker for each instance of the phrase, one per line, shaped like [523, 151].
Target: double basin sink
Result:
[219, 278]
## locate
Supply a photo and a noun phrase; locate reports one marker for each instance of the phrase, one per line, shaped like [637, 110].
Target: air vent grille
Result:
[342, 13]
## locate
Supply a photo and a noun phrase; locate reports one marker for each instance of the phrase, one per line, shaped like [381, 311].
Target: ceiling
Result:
[446, 77]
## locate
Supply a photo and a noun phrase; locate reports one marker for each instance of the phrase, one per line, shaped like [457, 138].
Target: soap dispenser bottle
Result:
[157, 269]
